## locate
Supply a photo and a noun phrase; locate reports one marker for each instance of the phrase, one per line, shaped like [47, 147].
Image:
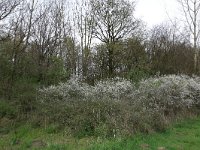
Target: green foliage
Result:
[24, 95]
[7, 110]
[86, 118]
[57, 147]
[19, 79]
[52, 128]
[5, 67]
[137, 74]
[56, 72]
[182, 135]
[22, 70]
[102, 130]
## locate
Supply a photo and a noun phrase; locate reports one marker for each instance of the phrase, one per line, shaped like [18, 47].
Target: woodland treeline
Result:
[47, 42]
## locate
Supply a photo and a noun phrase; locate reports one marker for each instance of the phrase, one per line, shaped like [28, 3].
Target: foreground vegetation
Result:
[117, 107]
[75, 115]
[183, 135]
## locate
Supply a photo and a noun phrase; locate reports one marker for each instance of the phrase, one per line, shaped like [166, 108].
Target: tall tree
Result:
[114, 20]
[19, 32]
[191, 12]
[49, 34]
[85, 23]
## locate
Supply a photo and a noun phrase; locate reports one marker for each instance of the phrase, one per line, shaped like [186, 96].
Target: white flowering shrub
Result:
[115, 89]
[73, 89]
[194, 88]
[118, 107]
[168, 92]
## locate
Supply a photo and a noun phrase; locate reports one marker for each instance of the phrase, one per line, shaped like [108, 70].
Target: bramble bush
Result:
[115, 107]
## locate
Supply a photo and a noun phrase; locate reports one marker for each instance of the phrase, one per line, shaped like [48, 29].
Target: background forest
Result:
[44, 43]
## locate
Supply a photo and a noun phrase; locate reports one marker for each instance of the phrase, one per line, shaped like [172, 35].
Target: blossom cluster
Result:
[163, 92]
[114, 89]
[170, 91]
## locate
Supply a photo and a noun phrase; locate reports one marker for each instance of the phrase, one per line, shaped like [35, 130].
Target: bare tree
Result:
[114, 20]
[169, 52]
[191, 12]
[7, 7]
[84, 23]
[19, 31]
[49, 33]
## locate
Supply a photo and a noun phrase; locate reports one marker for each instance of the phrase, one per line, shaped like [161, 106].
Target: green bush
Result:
[24, 95]
[55, 73]
[52, 128]
[6, 110]
[137, 74]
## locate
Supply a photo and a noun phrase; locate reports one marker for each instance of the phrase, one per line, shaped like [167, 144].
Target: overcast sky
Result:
[154, 12]
[157, 11]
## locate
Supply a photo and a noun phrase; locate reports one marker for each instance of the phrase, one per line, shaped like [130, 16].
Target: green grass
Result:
[182, 136]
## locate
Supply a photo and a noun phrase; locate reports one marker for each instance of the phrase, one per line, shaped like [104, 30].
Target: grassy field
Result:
[181, 136]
